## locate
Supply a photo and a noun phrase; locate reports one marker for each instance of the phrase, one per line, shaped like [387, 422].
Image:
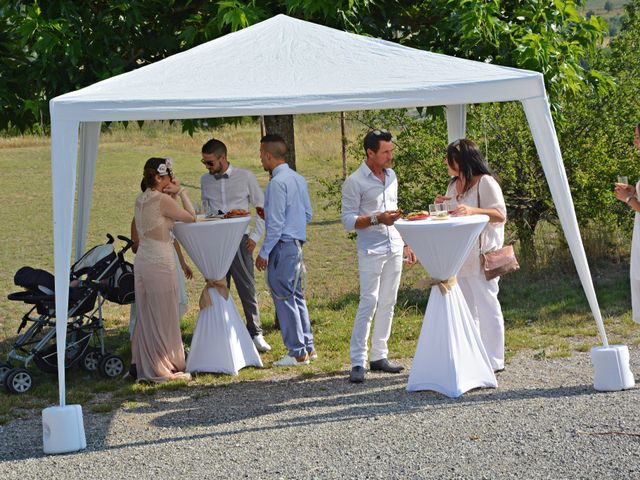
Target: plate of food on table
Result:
[417, 215]
[236, 212]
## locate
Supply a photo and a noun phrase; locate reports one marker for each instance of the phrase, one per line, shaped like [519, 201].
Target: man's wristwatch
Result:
[374, 220]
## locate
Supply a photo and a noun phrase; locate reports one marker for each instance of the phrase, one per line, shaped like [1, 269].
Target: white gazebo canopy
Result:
[287, 66]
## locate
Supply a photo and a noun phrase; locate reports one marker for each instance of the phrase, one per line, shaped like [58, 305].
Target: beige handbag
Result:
[497, 262]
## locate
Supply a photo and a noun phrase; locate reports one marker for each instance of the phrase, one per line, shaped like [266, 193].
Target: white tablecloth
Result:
[221, 342]
[450, 357]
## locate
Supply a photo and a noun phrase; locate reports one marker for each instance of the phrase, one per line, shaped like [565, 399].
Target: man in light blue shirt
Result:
[287, 210]
[370, 207]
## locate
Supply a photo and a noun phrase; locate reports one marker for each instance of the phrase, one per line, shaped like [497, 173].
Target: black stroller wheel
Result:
[4, 369]
[90, 360]
[111, 366]
[18, 380]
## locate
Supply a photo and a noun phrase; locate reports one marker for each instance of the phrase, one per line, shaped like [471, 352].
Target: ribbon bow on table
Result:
[444, 285]
[218, 176]
[219, 285]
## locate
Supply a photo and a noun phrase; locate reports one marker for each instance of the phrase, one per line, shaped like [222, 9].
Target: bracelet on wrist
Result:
[374, 220]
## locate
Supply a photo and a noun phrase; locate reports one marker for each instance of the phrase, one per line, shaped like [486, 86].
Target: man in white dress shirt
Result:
[370, 207]
[227, 188]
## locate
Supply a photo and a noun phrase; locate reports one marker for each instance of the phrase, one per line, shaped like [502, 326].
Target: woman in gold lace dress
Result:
[156, 345]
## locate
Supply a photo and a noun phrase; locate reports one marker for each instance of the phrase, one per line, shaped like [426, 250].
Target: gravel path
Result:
[544, 421]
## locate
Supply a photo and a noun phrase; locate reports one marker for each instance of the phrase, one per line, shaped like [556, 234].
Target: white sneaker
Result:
[261, 344]
[289, 361]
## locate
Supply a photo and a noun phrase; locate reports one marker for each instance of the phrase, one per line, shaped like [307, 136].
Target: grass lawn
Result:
[546, 312]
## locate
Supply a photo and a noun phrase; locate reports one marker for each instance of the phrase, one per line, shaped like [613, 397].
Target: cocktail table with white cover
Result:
[221, 342]
[450, 357]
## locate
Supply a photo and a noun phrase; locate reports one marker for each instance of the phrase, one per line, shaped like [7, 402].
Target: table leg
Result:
[450, 357]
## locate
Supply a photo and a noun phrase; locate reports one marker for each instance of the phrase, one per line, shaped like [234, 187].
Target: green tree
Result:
[549, 37]
[62, 45]
[595, 137]
[53, 47]
[13, 91]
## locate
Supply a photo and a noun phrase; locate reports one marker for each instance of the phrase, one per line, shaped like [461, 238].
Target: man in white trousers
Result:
[370, 207]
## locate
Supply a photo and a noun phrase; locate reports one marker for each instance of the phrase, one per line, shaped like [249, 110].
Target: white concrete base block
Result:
[63, 429]
[611, 368]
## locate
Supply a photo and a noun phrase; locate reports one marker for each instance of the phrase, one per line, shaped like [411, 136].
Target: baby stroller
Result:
[101, 274]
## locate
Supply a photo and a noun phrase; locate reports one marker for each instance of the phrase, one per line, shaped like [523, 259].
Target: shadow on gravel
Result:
[333, 399]
[279, 405]
[268, 406]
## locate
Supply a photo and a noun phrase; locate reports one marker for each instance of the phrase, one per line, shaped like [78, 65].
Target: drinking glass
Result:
[451, 206]
[623, 179]
[198, 208]
[441, 210]
[432, 209]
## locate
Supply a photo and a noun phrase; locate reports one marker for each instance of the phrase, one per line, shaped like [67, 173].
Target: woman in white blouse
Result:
[475, 190]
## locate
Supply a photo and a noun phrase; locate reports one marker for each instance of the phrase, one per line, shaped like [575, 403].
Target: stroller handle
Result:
[110, 237]
[127, 241]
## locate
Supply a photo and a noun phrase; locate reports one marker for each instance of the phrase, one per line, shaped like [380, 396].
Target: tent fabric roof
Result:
[284, 65]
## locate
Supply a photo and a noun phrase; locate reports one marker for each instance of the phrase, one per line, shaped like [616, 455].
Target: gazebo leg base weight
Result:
[63, 429]
[611, 368]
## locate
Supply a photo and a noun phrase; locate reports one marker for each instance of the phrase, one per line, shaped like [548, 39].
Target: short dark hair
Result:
[468, 157]
[214, 146]
[373, 137]
[274, 144]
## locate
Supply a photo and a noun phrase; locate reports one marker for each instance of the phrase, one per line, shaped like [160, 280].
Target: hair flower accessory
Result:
[165, 168]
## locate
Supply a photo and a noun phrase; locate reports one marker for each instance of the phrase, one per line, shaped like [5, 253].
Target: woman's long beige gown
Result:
[156, 345]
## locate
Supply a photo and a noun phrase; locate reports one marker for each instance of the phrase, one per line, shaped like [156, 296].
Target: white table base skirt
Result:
[450, 358]
[221, 342]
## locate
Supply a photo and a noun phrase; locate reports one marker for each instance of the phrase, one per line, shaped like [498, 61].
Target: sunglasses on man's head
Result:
[208, 163]
[382, 131]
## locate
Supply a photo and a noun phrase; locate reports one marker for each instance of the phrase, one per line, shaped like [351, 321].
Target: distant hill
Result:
[612, 15]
